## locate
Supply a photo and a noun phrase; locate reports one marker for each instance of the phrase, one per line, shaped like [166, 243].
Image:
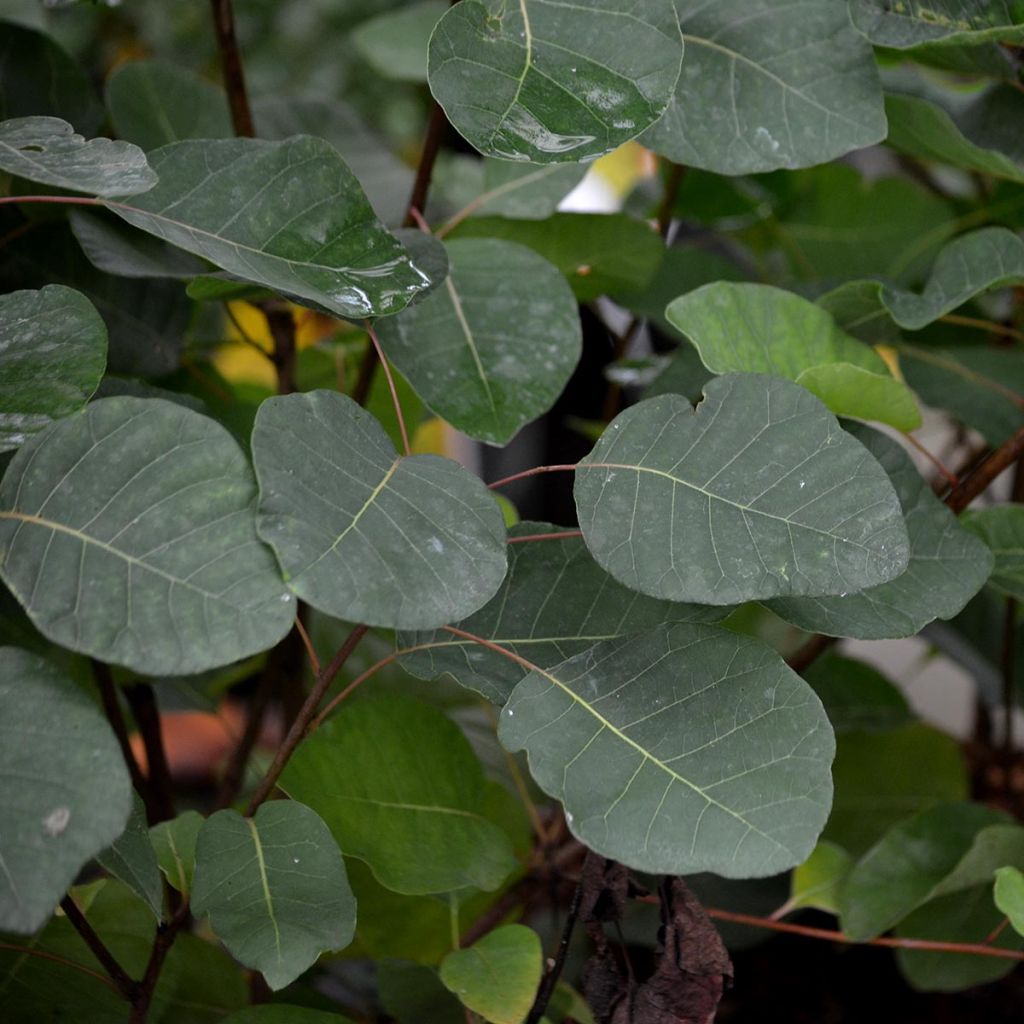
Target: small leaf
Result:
[954, 22]
[857, 697]
[555, 602]
[47, 150]
[495, 346]
[498, 975]
[314, 236]
[53, 348]
[1001, 527]
[175, 845]
[128, 533]
[394, 43]
[67, 794]
[362, 534]
[776, 499]
[546, 82]
[131, 858]
[400, 788]
[818, 881]
[502, 188]
[275, 888]
[683, 749]
[947, 567]
[852, 391]
[768, 85]
[903, 869]
[1009, 896]
[993, 847]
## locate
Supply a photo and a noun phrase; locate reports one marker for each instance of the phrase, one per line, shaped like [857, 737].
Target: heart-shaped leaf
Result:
[768, 85]
[53, 349]
[287, 215]
[849, 390]
[128, 533]
[545, 81]
[367, 536]
[175, 845]
[684, 749]
[401, 789]
[132, 859]
[495, 346]
[275, 888]
[775, 499]
[556, 601]
[947, 566]
[47, 150]
[67, 794]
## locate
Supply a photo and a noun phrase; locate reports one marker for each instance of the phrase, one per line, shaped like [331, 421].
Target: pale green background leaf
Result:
[174, 842]
[395, 43]
[1009, 896]
[818, 881]
[132, 859]
[1001, 527]
[852, 391]
[912, 23]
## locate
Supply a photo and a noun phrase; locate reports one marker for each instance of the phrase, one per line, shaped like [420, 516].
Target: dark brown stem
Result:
[425, 170]
[142, 701]
[978, 481]
[673, 181]
[234, 773]
[166, 933]
[367, 368]
[302, 721]
[813, 649]
[118, 975]
[115, 716]
[281, 323]
[1009, 659]
[231, 67]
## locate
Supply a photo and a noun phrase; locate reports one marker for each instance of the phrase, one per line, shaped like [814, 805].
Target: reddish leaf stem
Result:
[10, 947]
[560, 535]
[391, 385]
[978, 481]
[231, 66]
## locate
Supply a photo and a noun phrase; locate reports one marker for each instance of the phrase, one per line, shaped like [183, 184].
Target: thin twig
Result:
[166, 933]
[142, 700]
[118, 975]
[59, 200]
[302, 721]
[281, 323]
[813, 649]
[560, 535]
[428, 157]
[989, 326]
[391, 385]
[1001, 459]
[11, 947]
[951, 478]
[307, 642]
[564, 468]
[234, 772]
[673, 181]
[231, 67]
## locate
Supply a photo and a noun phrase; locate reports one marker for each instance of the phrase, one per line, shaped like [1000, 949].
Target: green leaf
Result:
[367, 536]
[53, 349]
[853, 391]
[818, 881]
[281, 1014]
[494, 347]
[274, 887]
[1001, 527]
[599, 253]
[970, 136]
[1009, 896]
[856, 695]
[414, 995]
[132, 859]
[314, 236]
[401, 789]
[684, 749]
[903, 869]
[993, 847]
[174, 842]
[146, 319]
[948, 565]
[128, 533]
[555, 602]
[498, 975]
[883, 777]
[153, 103]
[545, 82]
[67, 794]
[208, 983]
[901, 26]
[40, 78]
[47, 150]
[776, 500]
[768, 85]
[502, 188]
[394, 43]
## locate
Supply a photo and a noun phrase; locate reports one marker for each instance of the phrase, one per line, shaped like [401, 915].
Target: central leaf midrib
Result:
[467, 333]
[267, 898]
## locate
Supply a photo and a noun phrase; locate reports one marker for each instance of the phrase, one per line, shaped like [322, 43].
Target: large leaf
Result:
[556, 601]
[275, 888]
[768, 85]
[153, 103]
[40, 78]
[287, 215]
[776, 499]
[544, 81]
[852, 391]
[857, 697]
[128, 533]
[684, 749]
[599, 253]
[902, 870]
[47, 150]
[498, 975]
[367, 536]
[132, 859]
[1001, 527]
[395, 43]
[67, 794]
[400, 788]
[494, 347]
[901, 26]
[53, 348]
[947, 567]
